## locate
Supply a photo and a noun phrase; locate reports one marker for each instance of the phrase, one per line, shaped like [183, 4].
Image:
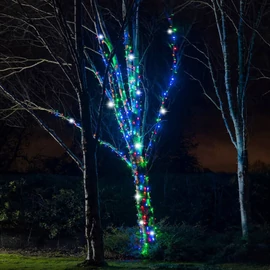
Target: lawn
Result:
[18, 261]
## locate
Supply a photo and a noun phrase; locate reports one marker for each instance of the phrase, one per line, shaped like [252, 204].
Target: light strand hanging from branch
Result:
[126, 100]
[73, 122]
[162, 110]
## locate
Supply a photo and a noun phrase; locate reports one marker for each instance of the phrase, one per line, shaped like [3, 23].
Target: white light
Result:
[71, 121]
[138, 92]
[170, 31]
[152, 233]
[131, 57]
[163, 111]
[110, 104]
[138, 146]
[138, 196]
[100, 36]
[141, 222]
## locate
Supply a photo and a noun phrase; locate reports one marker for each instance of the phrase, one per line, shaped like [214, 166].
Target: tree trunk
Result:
[93, 230]
[242, 175]
[144, 208]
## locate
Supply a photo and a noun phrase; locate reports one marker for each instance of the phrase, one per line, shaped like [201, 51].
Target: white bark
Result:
[242, 177]
[236, 59]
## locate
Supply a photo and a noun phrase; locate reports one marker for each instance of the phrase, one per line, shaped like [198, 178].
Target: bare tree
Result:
[98, 49]
[227, 55]
[35, 28]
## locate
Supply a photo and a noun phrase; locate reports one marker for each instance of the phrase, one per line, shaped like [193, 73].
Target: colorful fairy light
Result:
[100, 37]
[163, 111]
[126, 99]
[110, 104]
[131, 57]
[138, 196]
[138, 146]
[71, 121]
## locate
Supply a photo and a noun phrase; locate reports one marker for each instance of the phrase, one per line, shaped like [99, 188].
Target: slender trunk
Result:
[93, 230]
[242, 174]
[29, 236]
[145, 211]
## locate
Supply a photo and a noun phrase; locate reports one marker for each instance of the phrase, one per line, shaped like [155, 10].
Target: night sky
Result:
[215, 150]
[192, 113]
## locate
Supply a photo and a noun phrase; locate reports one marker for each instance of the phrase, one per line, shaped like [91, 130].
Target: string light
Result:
[100, 37]
[71, 121]
[110, 104]
[127, 100]
[138, 145]
[131, 57]
[163, 111]
[138, 196]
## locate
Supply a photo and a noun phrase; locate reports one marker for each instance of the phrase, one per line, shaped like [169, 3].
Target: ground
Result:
[17, 261]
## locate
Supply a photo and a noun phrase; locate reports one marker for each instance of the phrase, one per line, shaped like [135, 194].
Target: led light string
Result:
[162, 110]
[141, 180]
[105, 44]
[77, 125]
[127, 104]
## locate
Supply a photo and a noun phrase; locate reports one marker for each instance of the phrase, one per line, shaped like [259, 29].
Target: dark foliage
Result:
[202, 211]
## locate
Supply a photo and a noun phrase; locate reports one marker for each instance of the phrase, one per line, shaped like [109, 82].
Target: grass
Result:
[17, 261]
[244, 267]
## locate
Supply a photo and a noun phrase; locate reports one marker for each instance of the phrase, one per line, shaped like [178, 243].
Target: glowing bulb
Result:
[170, 31]
[141, 222]
[131, 57]
[110, 104]
[100, 36]
[138, 92]
[163, 111]
[138, 146]
[152, 233]
[71, 121]
[138, 196]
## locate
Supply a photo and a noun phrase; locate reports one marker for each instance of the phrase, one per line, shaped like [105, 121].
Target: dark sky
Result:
[195, 114]
[192, 113]
[215, 150]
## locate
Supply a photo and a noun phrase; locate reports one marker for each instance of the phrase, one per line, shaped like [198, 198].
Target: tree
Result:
[43, 29]
[97, 56]
[10, 146]
[229, 69]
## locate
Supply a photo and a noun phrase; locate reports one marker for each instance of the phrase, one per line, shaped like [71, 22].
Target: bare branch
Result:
[204, 91]
[44, 126]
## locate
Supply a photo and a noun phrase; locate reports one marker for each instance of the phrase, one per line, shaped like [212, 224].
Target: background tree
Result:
[10, 145]
[33, 29]
[230, 68]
